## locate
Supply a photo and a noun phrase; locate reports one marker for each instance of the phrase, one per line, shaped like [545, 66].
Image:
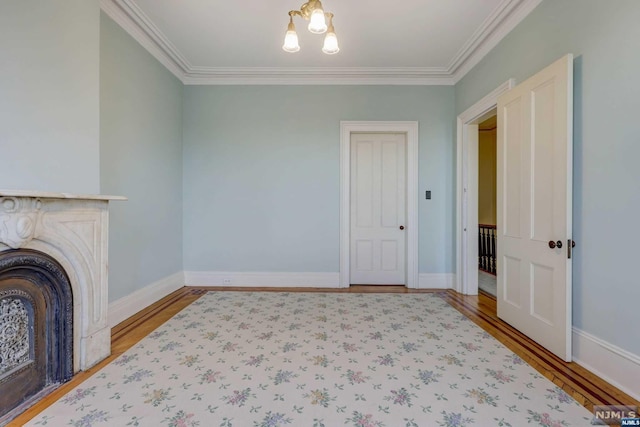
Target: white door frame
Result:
[410, 129]
[467, 190]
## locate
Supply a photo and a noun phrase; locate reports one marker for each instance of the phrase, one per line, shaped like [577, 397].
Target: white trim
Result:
[318, 76]
[613, 364]
[467, 191]
[436, 281]
[496, 26]
[114, 9]
[136, 301]
[411, 130]
[262, 279]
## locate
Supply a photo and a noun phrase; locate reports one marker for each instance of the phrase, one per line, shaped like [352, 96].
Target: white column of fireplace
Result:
[74, 230]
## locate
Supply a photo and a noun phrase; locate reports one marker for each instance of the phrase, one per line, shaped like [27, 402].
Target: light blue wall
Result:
[49, 89]
[140, 158]
[261, 173]
[604, 37]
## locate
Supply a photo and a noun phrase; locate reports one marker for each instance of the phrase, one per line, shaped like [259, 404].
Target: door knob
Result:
[554, 245]
[402, 227]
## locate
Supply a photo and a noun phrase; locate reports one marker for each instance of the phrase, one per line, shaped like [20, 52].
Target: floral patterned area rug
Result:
[242, 359]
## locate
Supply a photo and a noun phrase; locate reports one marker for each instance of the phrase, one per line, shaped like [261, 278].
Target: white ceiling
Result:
[381, 42]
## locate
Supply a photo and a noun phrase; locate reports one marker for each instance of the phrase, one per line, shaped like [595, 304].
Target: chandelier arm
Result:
[307, 8]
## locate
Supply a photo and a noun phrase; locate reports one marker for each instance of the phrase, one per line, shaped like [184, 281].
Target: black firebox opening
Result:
[36, 328]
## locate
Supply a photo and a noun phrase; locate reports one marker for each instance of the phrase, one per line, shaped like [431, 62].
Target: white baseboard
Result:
[436, 281]
[262, 279]
[611, 363]
[129, 305]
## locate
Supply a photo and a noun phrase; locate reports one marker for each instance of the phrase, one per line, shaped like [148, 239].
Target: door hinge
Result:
[570, 245]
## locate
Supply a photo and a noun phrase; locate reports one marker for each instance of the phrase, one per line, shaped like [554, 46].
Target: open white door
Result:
[535, 142]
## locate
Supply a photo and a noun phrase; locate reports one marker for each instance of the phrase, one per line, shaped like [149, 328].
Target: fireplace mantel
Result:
[52, 195]
[74, 230]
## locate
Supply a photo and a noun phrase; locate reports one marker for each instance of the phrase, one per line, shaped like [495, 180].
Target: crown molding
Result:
[497, 25]
[120, 12]
[318, 76]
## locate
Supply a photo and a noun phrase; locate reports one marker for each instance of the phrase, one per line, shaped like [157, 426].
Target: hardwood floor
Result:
[585, 387]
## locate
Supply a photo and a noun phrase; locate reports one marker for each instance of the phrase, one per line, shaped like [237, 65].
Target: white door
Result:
[534, 206]
[378, 212]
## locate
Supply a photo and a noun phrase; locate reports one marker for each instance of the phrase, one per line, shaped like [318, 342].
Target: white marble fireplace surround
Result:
[74, 230]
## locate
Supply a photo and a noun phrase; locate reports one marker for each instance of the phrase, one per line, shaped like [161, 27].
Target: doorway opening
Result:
[467, 221]
[487, 218]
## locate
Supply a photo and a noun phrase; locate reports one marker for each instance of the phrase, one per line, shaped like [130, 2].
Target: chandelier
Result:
[312, 11]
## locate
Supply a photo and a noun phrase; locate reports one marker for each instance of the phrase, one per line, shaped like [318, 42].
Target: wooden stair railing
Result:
[487, 248]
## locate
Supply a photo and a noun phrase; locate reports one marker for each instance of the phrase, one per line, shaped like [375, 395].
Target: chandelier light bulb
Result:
[291, 39]
[317, 23]
[330, 46]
